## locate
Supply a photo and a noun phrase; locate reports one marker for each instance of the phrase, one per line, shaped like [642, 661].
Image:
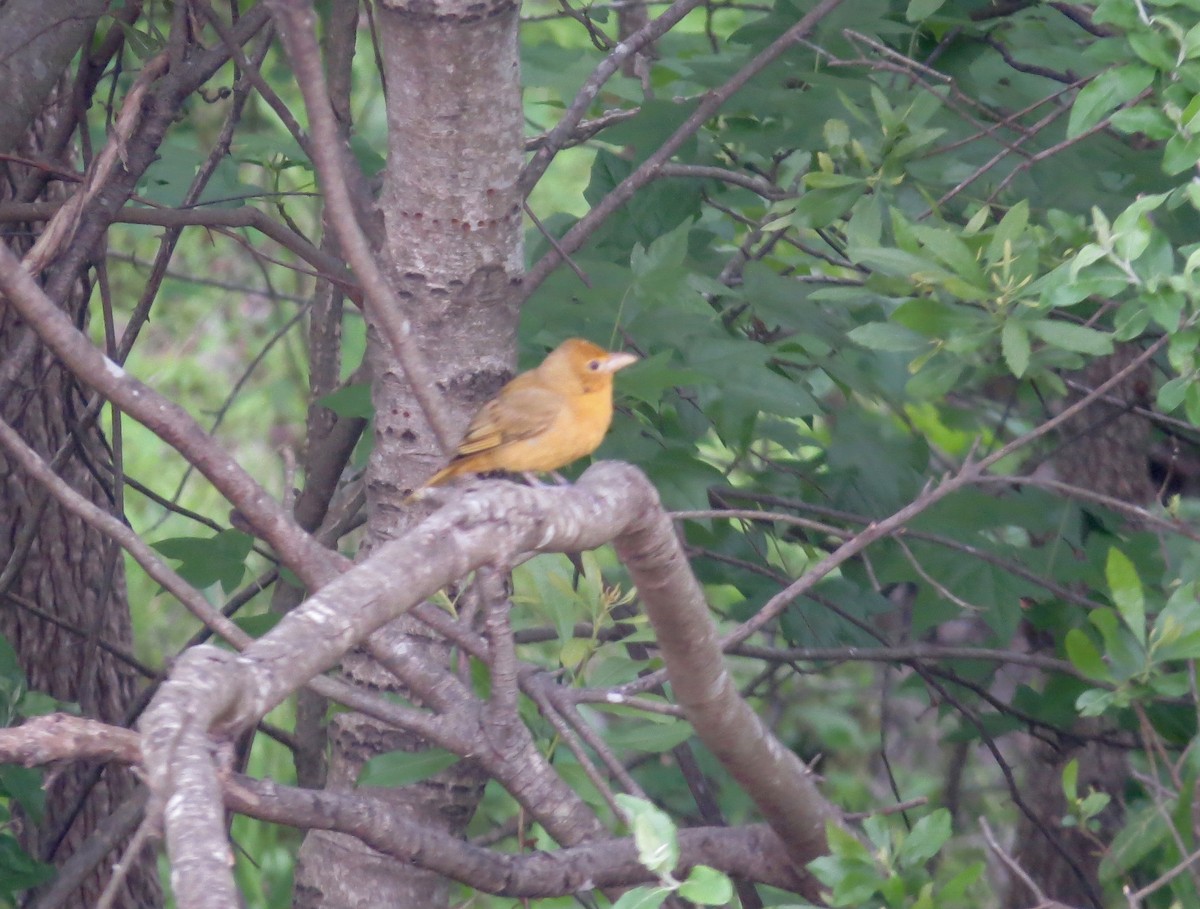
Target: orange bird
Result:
[544, 418]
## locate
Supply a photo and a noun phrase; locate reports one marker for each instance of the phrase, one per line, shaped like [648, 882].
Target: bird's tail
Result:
[453, 469]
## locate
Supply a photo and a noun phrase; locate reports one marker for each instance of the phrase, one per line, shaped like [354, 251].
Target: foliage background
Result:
[894, 252]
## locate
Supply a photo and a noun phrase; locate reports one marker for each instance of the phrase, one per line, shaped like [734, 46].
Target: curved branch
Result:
[216, 694]
[752, 852]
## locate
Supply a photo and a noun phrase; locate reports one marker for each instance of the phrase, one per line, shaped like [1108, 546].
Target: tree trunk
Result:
[1106, 449]
[452, 247]
[62, 584]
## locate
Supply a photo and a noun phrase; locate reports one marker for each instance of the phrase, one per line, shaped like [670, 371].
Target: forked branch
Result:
[213, 695]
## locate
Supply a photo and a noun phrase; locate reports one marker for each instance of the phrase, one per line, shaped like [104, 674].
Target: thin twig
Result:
[558, 137]
[712, 102]
[332, 162]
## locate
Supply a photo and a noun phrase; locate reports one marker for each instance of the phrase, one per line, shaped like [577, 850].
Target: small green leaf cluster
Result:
[892, 871]
[1134, 662]
[656, 838]
[1081, 809]
[20, 787]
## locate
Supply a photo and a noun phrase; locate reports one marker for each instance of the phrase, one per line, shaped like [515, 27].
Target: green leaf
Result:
[1180, 153]
[662, 259]
[1106, 93]
[707, 886]
[853, 885]
[352, 401]
[402, 768]
[820, 180]
[946, 245]
[258, 625]
[899, 263]
[836, 133]
[1094, 702]
[1176, 631]
[1146, 119]
[1014, 344]
[1144, 831]
[367, 155]
[1191, 404]
[204, 561]
[38, 703]
[1068, 336]
[1125, 655]
[10, 665]
[887, 336]
[612, 669]
[1008, 233]
[653, 834]
[1172, 392]
[652, 737]
[1093, 803]
[922, 9]
[1130, 321]
[748, 385]
[955, 890]
[574, 652]
[925, 840]
[649, 379]
[1126, 589]
[820, 207]
[1154, 47]
[642, 898]
[1190, 46]
[844, 845]
[18, 870]
[1132, 228]
[1070, 780]
[1084, 655]
[225, 188]
[144, 44]
[879, 832]
[25, 785]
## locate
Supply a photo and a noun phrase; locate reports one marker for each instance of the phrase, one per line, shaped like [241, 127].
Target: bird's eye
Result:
[593, 365]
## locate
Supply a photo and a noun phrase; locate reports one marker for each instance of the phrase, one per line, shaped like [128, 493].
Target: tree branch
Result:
[565, 130]
[752, 852]
[215, 694]
[332, 161]
[648, 170]
[303, 554]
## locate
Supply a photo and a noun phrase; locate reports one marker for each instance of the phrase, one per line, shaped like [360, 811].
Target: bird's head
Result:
[578, 361]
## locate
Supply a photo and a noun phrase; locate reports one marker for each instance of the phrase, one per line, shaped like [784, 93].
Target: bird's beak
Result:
[615, 361]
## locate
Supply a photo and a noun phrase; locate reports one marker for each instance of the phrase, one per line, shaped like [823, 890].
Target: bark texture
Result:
[38, 38]
[213, 695]
[452, 248]
[62, 584]
[1106, 449]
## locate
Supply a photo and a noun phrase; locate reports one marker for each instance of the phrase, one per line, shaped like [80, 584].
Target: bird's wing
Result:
[517, 413]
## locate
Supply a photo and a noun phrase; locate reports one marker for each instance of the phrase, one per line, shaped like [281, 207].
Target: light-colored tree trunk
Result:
[452, 247]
